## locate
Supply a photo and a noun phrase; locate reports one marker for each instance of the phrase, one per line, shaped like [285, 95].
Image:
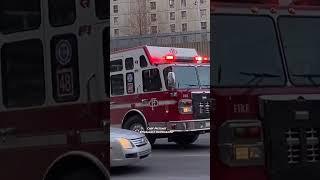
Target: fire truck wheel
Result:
[135, 123]
[84, 174]
[185, 139]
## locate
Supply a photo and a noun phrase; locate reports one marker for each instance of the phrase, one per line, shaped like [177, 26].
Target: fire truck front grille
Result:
[295, 138]
[204, 107]
[201, 105]
[293, 144]
[312, 137]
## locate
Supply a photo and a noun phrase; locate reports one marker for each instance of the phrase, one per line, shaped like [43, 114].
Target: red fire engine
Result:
[162, 91]
[265, 90]
[53, 124]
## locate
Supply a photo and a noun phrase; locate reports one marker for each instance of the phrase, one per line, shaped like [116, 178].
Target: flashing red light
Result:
[169, 58]
[198, 58]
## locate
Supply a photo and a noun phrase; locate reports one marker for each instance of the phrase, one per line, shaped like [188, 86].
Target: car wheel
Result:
[185, 139]
[84, 174]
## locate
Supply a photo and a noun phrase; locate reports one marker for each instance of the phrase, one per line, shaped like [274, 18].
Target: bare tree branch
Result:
[139, 20]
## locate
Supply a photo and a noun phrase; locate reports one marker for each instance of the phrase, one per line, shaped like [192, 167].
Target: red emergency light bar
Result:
[169, 57]
[247, 1]
[200, 59]
[196, 59]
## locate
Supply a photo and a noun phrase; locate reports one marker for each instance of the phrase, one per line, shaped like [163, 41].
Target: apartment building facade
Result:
[141, 17]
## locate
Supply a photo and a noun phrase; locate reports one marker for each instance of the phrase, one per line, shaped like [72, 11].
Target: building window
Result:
[172, 16]
[65, 68]
[62, 12]
[116, 20]
[117, 85]
[153, 17]
[116, 32]
[203, 13]
[184, 27]
[202, 1]
[17, 15]
[172, 27]
[171, 3]
[23, 79]
[153, 5]
[183, 14]
[154, 29]
[151, 80]
[204, 25]
[102, 9]
[183, 3]
[115, 9]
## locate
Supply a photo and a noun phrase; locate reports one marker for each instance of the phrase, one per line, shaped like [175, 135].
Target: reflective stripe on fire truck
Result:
[11, 141]
[138, 105]
[93, 136]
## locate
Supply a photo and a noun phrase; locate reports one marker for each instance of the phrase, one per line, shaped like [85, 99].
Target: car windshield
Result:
[245, 52]
[189, 77]
[301, 41]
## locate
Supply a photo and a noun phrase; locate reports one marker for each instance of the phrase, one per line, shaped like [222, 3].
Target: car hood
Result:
[123, 133]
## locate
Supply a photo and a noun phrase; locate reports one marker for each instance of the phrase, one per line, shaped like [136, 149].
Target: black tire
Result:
[84, 174]
[137, 121]
[185, 139]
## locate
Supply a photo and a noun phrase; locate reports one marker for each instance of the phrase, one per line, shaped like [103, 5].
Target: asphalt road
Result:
[169, 161]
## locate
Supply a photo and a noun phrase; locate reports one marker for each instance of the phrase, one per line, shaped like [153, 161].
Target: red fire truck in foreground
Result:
[265, 90]
[161, 91]
[53, 124]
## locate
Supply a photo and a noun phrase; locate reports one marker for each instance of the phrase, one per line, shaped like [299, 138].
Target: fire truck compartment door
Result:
[291, 134]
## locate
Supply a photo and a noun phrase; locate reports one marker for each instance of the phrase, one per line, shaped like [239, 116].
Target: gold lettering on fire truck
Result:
[241, 108]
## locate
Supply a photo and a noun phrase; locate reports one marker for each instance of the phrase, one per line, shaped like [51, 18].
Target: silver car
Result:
[127, 147]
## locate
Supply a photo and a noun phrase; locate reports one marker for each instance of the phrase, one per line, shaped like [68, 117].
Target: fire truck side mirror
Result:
[171, 80]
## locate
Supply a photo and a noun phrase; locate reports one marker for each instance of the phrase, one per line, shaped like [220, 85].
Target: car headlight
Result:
[125, 143]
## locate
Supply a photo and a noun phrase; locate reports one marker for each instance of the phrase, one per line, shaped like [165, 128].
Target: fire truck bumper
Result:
[199, 125]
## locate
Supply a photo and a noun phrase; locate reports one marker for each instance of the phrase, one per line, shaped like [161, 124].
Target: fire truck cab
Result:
[162, 91]
[265, 90]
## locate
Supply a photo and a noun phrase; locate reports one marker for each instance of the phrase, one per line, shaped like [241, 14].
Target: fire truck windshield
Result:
[246, 52]
[189, 77]
[301, 39]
